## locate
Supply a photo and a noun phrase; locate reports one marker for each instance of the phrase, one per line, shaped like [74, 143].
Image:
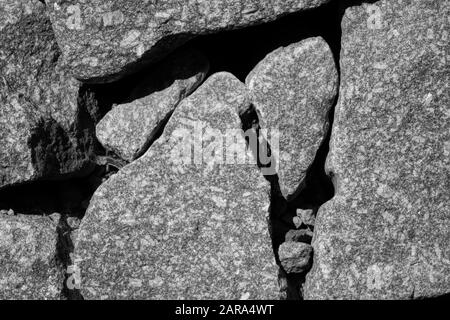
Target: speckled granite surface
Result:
[129, 128]
[385, 235]
[28, 268]
[293, 89]
[102, 38]
[171, 226]
[39, 112]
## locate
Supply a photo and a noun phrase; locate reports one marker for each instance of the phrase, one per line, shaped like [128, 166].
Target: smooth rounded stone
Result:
[385, 235]
[129, 129]
[28, 258]
[293, 89]
[295, 257]
[297, 221]
[102, 40]
[41, 133]
[303, 235]
[177, 224]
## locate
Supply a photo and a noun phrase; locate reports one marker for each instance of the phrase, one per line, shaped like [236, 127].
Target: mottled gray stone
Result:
[107, 38]
[293, 89]
[297, 221]
[73, 222]
[28, 268]
[385, 235]
[193, 229]
[41, 134]
[295, 257]
[302, 235]
[129, 129]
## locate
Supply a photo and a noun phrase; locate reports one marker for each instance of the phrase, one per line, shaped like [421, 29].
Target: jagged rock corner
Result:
[224, 149]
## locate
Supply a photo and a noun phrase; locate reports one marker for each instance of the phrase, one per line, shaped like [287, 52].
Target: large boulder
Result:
[293, 89]
[43, 132]
[130, 128]
[28, 258]
[181, 225]
[103, 39]
[385, 234]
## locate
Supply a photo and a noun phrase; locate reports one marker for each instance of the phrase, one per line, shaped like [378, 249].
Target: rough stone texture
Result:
[385, 235]
[28, 268]
[106, 38]
[293, 89]
[307, 217]
[192, 229]
[302, 235]
[295, 257]
[129, 129]
[41, 128]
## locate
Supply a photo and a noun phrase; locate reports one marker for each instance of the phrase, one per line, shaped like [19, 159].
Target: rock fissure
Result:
[123, 177]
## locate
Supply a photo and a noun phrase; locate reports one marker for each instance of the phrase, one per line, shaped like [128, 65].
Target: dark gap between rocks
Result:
[145, 81]
[62, 197]
[239, 51]
[444, 297]
[69, 199]
[255, 43]
[318, 187]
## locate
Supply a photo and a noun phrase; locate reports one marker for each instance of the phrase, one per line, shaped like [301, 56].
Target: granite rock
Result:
[29, 270]
[105, 39]
[177, 224]
[129, 129]
[293, 89]
[307, 217]
[295, 257]
[42, 134]
[302, 235]
[385, 234]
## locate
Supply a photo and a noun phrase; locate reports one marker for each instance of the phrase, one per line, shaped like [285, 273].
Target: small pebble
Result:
[297, 222]
[307, 217]
[73, 222]
[55, 217]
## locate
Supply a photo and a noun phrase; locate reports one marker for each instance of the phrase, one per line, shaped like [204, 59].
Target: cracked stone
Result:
[181, 225]
[295, 257]
[129, 129]
[385, 234]
[42, 132]
[293, 89]
[28, 258]
[101, 40]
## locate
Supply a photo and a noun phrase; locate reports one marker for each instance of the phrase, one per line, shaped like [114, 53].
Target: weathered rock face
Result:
[176, 225]
[293, 89]
[386, 232]
[295, 257]
[42, 133]
[129, 129]
[28, 258]
[104, 38]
